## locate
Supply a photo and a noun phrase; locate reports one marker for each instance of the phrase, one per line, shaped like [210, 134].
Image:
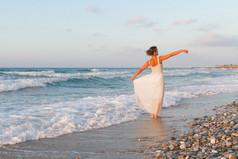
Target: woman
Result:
[149, 89]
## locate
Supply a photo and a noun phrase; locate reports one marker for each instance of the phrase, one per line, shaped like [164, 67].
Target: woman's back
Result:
[157, 68]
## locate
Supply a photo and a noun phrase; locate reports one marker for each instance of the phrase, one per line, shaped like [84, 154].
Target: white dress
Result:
[149, 90]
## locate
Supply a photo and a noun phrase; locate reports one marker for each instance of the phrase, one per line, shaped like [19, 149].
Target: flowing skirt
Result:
[149, 91]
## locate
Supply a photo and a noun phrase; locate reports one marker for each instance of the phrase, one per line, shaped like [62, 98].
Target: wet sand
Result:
[127, 140]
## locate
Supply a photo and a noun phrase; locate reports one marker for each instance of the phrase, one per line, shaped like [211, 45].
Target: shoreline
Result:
[135, 139]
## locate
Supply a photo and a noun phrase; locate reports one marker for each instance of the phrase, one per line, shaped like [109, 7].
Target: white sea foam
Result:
[32, 73]
[67, 117]
[212, 86]
[184, 72]
[53, 74]
[97, 70]
[13, 85]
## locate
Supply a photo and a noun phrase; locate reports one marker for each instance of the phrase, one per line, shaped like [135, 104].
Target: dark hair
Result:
[151, 51]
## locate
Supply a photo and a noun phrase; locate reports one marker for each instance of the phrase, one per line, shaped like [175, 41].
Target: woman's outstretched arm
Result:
[140, 70]
[162, 58]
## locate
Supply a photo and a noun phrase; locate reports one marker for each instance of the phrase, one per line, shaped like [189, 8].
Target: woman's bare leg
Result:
[156, 115]
[152, 116]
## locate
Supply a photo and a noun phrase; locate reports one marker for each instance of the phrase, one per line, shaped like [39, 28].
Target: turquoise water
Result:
[48, 102]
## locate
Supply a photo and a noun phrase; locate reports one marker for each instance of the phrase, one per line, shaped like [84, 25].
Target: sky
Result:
[109, 33]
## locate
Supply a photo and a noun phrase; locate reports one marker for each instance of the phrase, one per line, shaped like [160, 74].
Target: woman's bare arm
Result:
[162, 58]
[140, 70]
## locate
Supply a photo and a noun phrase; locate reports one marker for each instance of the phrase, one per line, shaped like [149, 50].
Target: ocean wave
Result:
[49, 77]
[210, 86]
[31, 73]
[67, 117]
[184, 72]
[230, 81]
[97, 69]
[14, 85]
[53, 74]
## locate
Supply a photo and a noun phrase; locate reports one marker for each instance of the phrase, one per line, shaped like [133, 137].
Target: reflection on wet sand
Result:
[153, 128]
[150, 132]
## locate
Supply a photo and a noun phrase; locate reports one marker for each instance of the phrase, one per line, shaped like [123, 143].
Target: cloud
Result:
[92, 9]
[137, 19]
[182, 22]
[161, 30]
[69, 30]
[206, 28]
[150, 23]
[97, 34]
[141, 20]
[216, 40]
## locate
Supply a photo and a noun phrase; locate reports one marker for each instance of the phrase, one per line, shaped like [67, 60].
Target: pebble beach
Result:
[213, 136]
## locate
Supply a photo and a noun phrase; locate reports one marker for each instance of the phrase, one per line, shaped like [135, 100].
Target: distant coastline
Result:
[222, 66]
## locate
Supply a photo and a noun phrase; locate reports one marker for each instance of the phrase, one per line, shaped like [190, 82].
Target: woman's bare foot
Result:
[156, 116]
[152, 116]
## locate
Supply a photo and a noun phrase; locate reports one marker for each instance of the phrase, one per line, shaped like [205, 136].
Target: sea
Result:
[48, 102]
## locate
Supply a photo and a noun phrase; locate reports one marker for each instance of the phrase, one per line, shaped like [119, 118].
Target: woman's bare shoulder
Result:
[160, 59]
